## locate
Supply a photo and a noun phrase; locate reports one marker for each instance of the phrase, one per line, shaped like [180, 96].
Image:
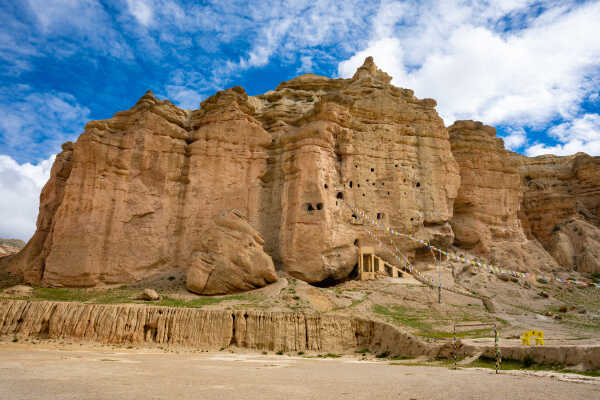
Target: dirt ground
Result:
[95, 372]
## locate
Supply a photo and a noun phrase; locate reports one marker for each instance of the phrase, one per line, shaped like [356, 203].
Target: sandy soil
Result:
[93, 372]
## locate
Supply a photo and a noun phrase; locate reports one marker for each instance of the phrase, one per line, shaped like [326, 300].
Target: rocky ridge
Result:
[135, 194]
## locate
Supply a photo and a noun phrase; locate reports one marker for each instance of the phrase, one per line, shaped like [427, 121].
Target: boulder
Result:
[229, 258]
[149, 295]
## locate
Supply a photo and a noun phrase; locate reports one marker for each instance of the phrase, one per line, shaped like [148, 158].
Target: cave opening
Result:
[340, 195]
[319, 206]
[309, 207]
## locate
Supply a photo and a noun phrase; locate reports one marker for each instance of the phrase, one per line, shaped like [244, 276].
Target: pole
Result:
[496, 348]
[439, 279]
[454, 345]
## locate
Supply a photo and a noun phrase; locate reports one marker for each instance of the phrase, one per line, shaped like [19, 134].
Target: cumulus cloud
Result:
[579, 135]
[141, 10]
[20, 186]
[464, 58]
[515, 140]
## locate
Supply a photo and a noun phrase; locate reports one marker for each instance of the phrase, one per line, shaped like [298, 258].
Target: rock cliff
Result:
[488, 206]
[205, 330]
[561, 207]
[135, 193]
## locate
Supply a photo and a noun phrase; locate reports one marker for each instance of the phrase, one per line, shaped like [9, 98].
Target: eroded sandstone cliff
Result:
[488, 206]
[561, 207]
[134, 195]
[204, 329]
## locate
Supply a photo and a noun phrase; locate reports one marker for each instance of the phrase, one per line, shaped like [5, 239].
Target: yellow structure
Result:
[532, 334]
[370, 265]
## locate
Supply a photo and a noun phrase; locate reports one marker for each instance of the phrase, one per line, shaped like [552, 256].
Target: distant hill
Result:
[10, 246]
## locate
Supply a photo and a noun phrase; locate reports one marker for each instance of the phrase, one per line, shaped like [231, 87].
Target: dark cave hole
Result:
[350, 184]
[418, 184]
[325, 185]
[309, 207]
[319, 206]
[340, 195]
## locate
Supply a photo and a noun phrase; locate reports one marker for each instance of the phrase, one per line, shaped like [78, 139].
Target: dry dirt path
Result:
[30, 372]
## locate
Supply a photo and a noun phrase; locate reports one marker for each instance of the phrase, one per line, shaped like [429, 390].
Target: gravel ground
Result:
[91, 372]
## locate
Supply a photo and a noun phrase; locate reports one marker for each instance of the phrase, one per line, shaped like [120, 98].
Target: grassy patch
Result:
[526, 365]
[200, 302]
[419, 321]
[108, 296]
[124, 295]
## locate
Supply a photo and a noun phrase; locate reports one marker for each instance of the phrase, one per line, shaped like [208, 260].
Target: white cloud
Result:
[541, 70]
[579, 135]
[184, 97]
[141, 10]
[20, 187]
[33, 125]
[515, 139]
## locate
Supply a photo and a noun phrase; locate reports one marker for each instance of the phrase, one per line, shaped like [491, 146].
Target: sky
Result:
[530, 68]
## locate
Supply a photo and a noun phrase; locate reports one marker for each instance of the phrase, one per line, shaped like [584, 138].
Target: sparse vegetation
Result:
[420, 322]
[128, 295]
[329, 355]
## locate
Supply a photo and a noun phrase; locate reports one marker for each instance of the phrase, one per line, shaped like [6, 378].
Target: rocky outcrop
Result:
[132, 197]
[204, 329]
[229, 258]
[487, 209]
[10, 246]
[561, 207]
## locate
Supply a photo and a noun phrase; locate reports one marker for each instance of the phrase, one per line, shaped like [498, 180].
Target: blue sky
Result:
[530, 68]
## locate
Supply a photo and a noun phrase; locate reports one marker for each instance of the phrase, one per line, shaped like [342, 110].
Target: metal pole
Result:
[454, 345]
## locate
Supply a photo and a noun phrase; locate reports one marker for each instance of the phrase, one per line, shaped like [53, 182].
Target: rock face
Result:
[10, 246]
[561, 208]
[487, 209]
[229, 258]
[135, 194]
[204, 329]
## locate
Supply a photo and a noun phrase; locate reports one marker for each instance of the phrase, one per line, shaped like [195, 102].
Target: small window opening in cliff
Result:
[309, 207]
[354, 216]
[528, 178]
[379, 215]
[350, 184]
[356, 242]
[396, 166]
[372, 169]
[388, 193]
[340, 195]
[418, 184]
[382, 183]
[363, 195]
[412, 219]
[339, 157]
[355, 165]
[325, 186]
[367, 180]
[358, 185]
[319, 206]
